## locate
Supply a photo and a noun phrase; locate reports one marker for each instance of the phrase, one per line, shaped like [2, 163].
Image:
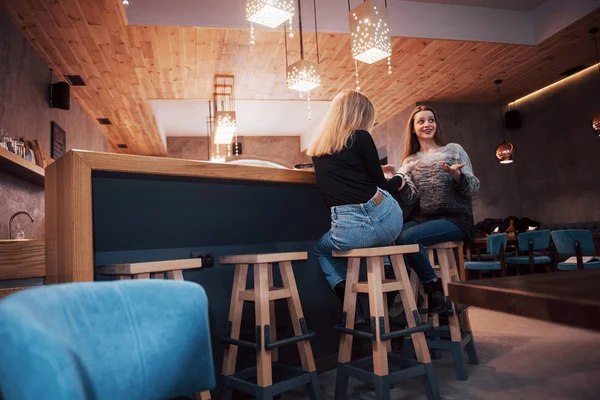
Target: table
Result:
[569, 298]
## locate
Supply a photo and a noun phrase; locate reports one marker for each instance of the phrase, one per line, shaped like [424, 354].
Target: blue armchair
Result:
[142, 339]
[536, 245]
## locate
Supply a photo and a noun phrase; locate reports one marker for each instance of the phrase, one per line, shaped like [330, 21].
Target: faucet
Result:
[13, 217]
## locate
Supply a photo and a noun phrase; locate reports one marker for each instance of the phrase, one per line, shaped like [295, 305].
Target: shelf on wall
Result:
[12, 164]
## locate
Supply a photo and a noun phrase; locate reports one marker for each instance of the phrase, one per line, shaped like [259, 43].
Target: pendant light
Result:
[506, 151]
[271, 13]
[596, 117]
[303, 75]
[225, 117]
[370, 34]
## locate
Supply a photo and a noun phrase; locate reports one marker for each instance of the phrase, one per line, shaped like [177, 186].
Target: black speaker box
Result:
[60, 95]
[513, 119]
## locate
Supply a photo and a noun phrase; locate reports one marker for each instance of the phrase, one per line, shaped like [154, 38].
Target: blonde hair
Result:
[349, 111]
[411, 141]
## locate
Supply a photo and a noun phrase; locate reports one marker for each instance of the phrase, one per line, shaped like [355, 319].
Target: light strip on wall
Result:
[555, 84]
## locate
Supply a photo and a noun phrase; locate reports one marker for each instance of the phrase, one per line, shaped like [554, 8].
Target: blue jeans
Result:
[357, 226]
[427, 234]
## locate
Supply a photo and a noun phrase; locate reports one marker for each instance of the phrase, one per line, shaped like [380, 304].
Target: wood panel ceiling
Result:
[125, 66]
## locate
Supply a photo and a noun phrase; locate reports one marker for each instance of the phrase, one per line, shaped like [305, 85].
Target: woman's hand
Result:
[453, 170]
[389, 169]
[408, 166]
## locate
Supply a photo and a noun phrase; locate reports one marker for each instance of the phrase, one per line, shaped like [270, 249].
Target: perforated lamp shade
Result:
[271, 13]
[505, 153]
[370, 32]
[225, 126]
[303, 76]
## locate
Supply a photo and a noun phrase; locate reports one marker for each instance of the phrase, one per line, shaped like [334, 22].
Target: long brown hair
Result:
[411, 142]
[349, 111]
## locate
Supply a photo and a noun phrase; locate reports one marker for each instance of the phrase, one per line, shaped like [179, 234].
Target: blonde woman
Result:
[363, 213]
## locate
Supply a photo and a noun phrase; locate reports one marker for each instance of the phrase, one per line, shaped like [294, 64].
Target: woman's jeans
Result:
[427, 234]
[357, 226]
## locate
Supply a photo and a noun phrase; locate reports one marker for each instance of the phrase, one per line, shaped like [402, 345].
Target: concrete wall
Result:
[284, 150]
[558, 155]
[24, 111]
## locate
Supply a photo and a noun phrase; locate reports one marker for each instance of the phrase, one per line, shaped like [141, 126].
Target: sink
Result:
[22, 258]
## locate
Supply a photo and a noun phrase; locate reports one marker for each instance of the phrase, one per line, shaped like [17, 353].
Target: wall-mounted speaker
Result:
[513, 119]
[60, 95]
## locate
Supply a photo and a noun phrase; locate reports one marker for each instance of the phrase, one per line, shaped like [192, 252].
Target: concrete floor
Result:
[520, 359]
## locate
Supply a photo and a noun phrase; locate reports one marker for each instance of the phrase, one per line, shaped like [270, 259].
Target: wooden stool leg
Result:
[124, 277]
[345, 351]
[380, 357]
[235, 317]
[274, 352]
[408, 300]
[141, 276]
[446, 258]
[386, 316]
[176, 275]
[445, 255]
[289, 282]
[431, 255]
[455, 276]
[264, 376]
[461, 264]
[158, 275]
[202, 396]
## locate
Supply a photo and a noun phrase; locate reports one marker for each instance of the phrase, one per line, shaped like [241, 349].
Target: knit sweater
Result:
[438, 195]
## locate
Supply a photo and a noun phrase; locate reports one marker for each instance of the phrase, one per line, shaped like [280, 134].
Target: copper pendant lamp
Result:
[505, 153]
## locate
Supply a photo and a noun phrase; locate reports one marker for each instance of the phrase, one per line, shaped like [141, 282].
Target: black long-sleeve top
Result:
[353, 175]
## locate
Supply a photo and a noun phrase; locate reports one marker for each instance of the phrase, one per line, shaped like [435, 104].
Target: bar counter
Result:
[104, 208]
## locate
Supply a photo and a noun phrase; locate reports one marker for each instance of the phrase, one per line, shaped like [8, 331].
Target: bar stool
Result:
[377, 288]
[264, 295]
[155, 270]
[457, 336]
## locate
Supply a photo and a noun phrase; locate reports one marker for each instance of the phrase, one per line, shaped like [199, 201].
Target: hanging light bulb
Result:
[303, 75]
[370, 32]
[125, 3]
[271, 13]
[504, 152]
[225, 127]
[596, 118]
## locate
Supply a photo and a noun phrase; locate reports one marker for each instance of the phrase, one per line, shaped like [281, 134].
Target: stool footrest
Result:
[306, 335]
[421, 327]
[341, 327]
[244, 343]
[404, 332]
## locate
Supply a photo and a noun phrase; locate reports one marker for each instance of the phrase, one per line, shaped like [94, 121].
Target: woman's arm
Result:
[372, 165]
[467, 184]
[408, 194]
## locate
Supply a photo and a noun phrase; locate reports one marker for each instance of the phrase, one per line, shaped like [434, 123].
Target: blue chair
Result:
[574, 243]
[537, 243]
[142, 339]
[496, 244]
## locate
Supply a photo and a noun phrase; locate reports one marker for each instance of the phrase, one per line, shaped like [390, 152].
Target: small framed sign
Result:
[59, 141]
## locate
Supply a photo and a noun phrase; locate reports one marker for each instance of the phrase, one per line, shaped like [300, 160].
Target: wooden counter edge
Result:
[113, 162]
[573, 312]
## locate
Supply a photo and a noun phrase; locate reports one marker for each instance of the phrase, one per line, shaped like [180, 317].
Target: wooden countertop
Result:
[569, 298]
[98, 161]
